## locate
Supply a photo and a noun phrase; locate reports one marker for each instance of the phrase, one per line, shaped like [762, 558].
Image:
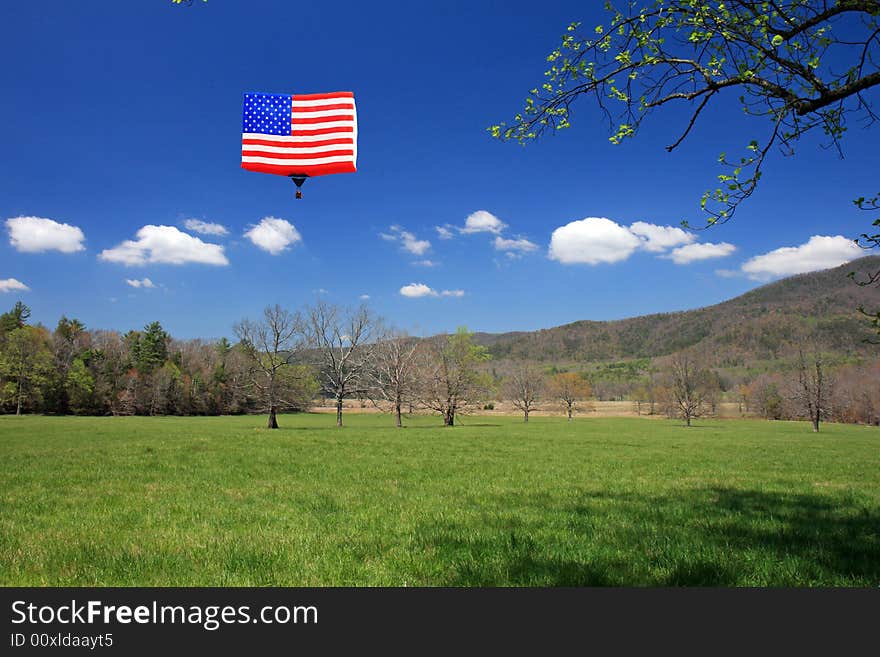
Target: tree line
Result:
[284, 359]
[808, 389]
[279, 362]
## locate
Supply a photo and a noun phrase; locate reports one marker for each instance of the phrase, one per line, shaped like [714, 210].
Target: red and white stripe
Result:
[323, 138]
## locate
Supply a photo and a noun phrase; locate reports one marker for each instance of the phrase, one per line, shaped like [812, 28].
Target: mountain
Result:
[816, 310]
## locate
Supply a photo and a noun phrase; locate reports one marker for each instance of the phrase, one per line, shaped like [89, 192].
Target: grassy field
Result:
[221, 501]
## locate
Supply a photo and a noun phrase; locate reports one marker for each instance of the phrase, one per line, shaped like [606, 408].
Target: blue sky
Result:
[120, 116]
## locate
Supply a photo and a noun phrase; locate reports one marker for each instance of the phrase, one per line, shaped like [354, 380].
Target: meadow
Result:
[493, 502]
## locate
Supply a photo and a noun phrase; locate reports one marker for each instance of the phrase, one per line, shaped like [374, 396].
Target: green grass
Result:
[221, 501]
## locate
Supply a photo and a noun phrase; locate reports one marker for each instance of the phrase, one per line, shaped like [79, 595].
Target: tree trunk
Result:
[398, 421]
[273, 423]
[687, 419]
[525, 415]
[569, 412]
[338, 410]
[449, 418]
[815, 419]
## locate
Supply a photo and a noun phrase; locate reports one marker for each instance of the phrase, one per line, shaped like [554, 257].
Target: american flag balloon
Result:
[299, 135]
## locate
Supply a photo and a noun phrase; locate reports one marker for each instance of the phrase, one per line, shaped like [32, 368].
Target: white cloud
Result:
[684, 255]
[205, 227]
[597, 240]
[164, 245]
[364, 297]
[274, 235]
[659, 238]
[144, 282]
[417, 290]
[36, 235]
[520, 245]
[413, 245]
[424, 263]
[408, 241]
[445, 232]
[592, 241]
[483, 222]
[13, 285]
[820, 252]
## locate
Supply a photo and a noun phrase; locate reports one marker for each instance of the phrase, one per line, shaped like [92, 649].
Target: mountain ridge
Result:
[819, 309]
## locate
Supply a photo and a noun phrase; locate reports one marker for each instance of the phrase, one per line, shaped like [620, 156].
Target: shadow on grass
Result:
[467, 425]
[701, 537]
[434, 427]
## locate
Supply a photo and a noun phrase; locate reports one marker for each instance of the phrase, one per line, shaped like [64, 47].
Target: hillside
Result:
[817, 309]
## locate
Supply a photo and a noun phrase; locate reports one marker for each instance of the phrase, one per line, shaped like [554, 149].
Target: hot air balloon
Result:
[299, 136]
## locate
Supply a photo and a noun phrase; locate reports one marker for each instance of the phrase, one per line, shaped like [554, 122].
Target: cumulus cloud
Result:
[424, 263]
[483, 222]
[12, 285]
[417, 290]
[657, 239]
[36, 235]
[684, 255]
[597, 240]
[407, 240]
[592, 241]
[205, 227]
[274, 235]
[520, 245]
[164, 245]
[819, 252]
[445, 232]
[364, 297]
[143, 282]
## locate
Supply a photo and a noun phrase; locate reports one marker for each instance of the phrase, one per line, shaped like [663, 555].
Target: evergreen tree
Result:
[15, 318]
[153, 350]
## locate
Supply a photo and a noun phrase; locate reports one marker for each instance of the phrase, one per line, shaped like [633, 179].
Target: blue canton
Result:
[268, 114]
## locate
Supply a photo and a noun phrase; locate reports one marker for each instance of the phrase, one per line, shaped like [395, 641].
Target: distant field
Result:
[591, 409]
[616, 501]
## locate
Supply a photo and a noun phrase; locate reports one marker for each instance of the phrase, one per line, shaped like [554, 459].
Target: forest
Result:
[291, 361]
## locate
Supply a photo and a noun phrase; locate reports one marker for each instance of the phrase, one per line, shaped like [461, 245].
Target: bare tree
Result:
[524, 388]
[272, 345]
[745, 394]
[856, 394]
[344, 342]
[812, 394]
[569, 388]
[691, 388]
[452, 380]
[394, 376]
[766, 398]
[640, 394]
